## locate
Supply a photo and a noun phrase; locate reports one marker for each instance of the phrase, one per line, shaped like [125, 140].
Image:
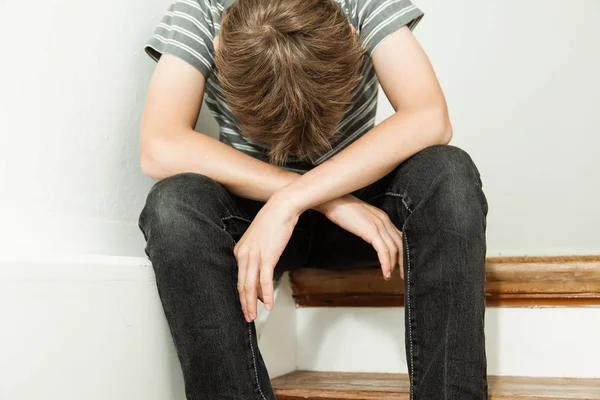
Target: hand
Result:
[372, 225]
[258, 252]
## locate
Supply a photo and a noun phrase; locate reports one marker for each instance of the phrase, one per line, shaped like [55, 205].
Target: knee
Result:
[171, 199]
[456, 191]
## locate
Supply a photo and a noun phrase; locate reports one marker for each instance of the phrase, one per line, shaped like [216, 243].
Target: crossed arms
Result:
[169, 145]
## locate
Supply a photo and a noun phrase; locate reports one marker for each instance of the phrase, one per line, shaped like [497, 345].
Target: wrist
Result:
[288, 201]
[331, 205]
[326, 207]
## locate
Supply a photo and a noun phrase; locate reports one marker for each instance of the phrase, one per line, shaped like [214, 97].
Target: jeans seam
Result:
[407, 295]
[254, 363]
[408, 308]
[401, 197]
[224, 227]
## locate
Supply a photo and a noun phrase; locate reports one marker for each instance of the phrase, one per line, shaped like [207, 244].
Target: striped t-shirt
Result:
[189, 27]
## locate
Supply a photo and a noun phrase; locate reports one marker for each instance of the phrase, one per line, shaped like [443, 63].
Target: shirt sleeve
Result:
[187, 31]
[378, 18]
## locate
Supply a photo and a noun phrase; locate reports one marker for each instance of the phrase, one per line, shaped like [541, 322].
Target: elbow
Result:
[446, 131]
[149, 158]
[146, 164]
[442, 127]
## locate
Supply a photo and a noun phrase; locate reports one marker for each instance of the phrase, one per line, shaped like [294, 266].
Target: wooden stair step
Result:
[511, 281]
[309, 385]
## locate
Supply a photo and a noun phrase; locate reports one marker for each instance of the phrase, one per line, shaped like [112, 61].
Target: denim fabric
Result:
[191, 224]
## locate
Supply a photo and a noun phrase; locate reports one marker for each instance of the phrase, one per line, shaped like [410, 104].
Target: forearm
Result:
[187, 151]
[369, 158]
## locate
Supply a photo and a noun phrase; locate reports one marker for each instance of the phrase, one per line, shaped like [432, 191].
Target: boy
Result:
[300, 176]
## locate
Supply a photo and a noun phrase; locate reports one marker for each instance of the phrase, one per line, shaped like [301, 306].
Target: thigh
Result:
[191, 202]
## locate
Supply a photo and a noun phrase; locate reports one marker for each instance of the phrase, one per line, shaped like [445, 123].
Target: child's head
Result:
[288, 69]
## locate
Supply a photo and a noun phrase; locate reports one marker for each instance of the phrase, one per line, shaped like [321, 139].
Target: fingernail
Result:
[268, 307]
[388, 276]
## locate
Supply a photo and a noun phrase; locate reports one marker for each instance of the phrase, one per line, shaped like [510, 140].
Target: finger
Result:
[242, 260]
[250, 287]
[383, 254]
[384, 225]
[391, 245]
[260, 294]
[266, 285]
[402, 272]
[396, 236]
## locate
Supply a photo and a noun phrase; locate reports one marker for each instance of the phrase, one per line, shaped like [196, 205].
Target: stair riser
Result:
[559, 342]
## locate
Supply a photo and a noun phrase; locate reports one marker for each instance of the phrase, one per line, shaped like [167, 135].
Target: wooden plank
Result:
[514, 282]
[340, 386]
[376, 300]
[375, 386]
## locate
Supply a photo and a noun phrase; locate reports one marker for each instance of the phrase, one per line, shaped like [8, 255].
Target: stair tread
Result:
[514, 281]
[371, 386]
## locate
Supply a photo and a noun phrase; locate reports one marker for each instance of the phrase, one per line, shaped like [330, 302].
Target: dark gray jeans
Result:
[191, 224]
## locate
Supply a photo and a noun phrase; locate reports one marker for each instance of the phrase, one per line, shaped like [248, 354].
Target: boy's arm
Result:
[421, 120]
[169, 144]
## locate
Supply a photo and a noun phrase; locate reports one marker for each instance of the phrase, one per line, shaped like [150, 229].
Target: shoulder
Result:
[350, 8]
[187, 31]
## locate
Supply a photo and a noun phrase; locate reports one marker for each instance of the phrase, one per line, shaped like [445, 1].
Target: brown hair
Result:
[288, 69]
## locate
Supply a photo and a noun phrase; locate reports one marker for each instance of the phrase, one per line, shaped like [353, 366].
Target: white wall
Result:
[73, 79]
[520, 77]
[551, 342]
[521, 80]
[522, 83]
